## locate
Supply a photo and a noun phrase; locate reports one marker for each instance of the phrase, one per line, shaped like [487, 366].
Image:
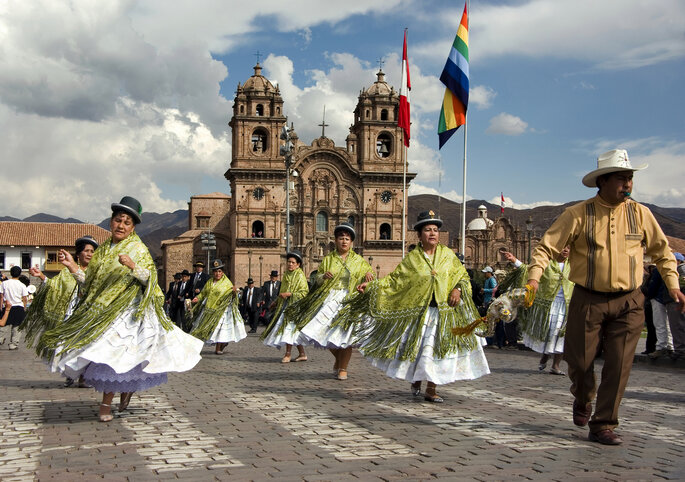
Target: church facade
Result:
[360, 183]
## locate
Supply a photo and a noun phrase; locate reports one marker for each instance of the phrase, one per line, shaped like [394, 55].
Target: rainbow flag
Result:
[455, 76]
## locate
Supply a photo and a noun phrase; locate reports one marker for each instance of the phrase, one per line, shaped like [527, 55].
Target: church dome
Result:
[481, 222]
[380, 87]
[259, 83]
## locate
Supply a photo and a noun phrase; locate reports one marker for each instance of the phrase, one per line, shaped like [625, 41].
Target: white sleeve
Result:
[517, 263]
[141, 274]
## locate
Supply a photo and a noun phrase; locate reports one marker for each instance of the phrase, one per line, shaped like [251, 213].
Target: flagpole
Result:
[404, 197]
[463, 199]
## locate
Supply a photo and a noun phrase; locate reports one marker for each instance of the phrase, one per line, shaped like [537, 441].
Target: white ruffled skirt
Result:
[290, 335]
[227, 330]
[318, 331]
[553, 344]
[463, 365]
[131, 355]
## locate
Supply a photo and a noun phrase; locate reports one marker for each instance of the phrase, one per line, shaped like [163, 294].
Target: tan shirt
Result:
[607, 243]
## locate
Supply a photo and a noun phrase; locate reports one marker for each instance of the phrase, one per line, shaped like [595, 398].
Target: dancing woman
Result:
[544, 323]
[216, 317]
[293, 288]
[338, 275]
[55, 300]
[409, 314]
[118, 336]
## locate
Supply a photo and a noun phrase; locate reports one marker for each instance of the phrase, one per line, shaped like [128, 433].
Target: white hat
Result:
[487, 269]
[611, 161]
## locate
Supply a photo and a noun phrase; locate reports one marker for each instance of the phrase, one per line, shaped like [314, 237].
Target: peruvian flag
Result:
[403, 120]
[502, 204]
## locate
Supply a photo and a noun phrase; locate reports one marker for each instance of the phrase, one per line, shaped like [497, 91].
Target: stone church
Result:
[360, 182]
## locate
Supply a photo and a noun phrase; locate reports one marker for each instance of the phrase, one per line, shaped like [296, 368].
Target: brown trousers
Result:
[612, 321]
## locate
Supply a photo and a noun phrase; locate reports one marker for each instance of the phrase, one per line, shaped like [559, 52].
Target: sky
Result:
[104, 99]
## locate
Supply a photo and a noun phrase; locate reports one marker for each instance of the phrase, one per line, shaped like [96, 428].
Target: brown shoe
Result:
[605, 437]
[581, 414]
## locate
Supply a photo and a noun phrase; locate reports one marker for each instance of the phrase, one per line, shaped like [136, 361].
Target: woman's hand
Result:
[8, 307]
[285, 296]
[328, 275]
[455, 297]
[362, 287]
[369, 276]
[34, 271]
[509, 257]
[64, 257]
[194, 300]
[126, 260]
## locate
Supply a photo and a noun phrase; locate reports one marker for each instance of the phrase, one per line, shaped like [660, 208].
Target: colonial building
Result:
[486, 238]
[28, 244]
[360, 182]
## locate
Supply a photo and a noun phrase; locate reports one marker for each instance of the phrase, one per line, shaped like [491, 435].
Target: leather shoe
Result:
[253, 330]
[581, 414]
[605, 437]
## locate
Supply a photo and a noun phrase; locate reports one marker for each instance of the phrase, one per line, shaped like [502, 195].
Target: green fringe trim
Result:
[536, 320]
[382, 338]
[40, 319]
[302, 311]
[516, 278]
[274, 319]
[205, 320]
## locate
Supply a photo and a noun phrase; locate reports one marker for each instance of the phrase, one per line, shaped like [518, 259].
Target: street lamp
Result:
[261, 258]
[378, 271]
[529, 230]
[249, 263]
[286, 151]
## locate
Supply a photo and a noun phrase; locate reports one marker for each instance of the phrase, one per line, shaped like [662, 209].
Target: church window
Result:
[26, 260]
[384, 114]
[259, 110]
[385, 231]
[350, 219]
[259, 141]
[383, 145]
[368, 113]
[242, 109]
[258, 229]
[322, 221]
[278, 110]
[202, 221]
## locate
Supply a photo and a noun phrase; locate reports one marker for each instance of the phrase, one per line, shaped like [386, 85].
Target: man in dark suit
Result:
[170, 296]
[252, 300]
[270, 293]
[185, 291]
[199, 278]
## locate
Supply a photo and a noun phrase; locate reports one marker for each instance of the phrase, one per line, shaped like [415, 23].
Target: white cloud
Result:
[510, 203]
[507, 124]
[612, 34]
[481, 96]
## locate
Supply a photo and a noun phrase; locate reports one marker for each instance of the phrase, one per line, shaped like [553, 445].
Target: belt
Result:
[609, 294]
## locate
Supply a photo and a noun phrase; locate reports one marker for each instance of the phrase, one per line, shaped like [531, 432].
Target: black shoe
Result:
[253, 330]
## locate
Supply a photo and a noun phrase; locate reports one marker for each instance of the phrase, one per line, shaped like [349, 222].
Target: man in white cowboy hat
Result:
[607, 235]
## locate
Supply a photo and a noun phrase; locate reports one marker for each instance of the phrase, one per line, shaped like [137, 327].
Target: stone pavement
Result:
[246, 416]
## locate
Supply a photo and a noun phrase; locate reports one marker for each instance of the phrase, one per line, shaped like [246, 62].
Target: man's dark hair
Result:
[15, 271]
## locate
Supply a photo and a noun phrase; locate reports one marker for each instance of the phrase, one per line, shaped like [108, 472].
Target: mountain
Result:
[49, 218]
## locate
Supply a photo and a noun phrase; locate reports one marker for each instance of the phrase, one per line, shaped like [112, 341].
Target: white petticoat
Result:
[290, 336]
[463, 365]
[319, 332]
[128, 343]
[228, 329]
[553, 344]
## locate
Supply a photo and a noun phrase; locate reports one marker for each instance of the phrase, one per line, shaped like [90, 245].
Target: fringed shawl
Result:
[294, 282]
[49, 307]
[303, 311]
[109, 289]
[213, 301]
[397, 303]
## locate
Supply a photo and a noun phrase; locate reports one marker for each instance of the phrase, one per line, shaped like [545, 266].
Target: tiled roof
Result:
[16, 233]
[676, 244]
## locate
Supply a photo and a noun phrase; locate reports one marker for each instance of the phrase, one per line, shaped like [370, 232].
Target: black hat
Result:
[130, 206]
[345, 227]
[81, 242]
[177, 275]
[185, 272]
[216, 264]
[274, 273]
[426, 217]
[294, 254]
[199, 263]
[250, 281]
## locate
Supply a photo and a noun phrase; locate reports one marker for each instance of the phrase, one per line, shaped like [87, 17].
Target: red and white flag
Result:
[403, 120]
[502, 204]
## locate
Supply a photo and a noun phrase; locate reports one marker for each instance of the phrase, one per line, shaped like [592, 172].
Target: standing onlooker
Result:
[252, 302]
[676, 319]
[608, 235]
[659, 298]
[270, 293]
[171, 296]
[488, 291]
[16, 294]
[200, 278]
[650, 341]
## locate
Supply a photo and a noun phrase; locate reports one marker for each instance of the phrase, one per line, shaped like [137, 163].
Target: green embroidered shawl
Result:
[212, 303]
[109, 289]
[294, 282]
[303, 311]
[535, 320]
[49, 307]
[398, 302]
